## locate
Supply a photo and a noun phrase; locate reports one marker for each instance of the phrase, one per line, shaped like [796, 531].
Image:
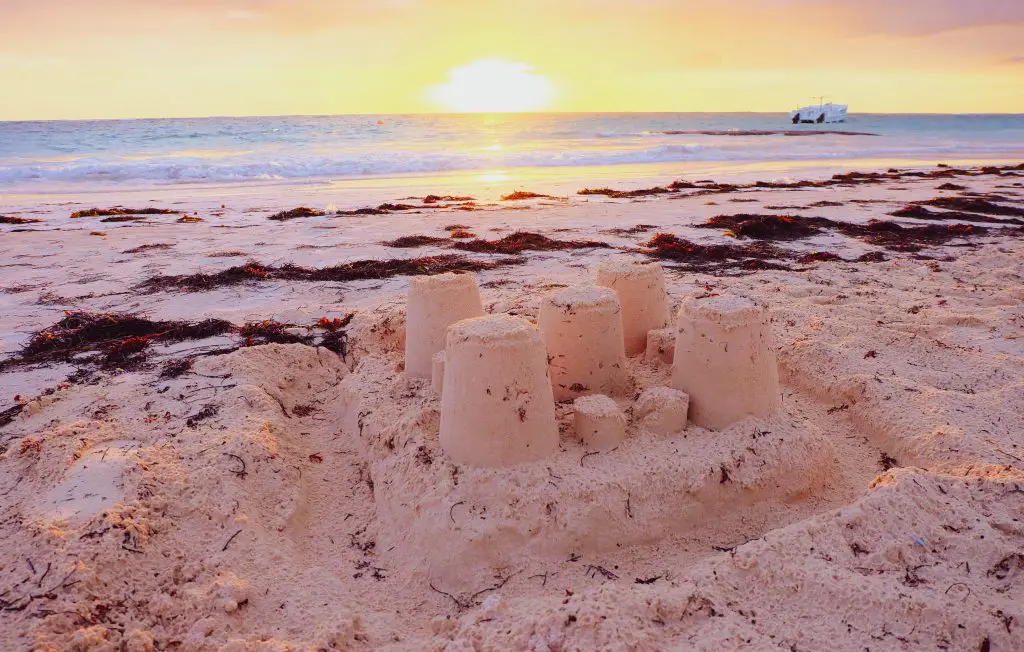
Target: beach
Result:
[209, 441]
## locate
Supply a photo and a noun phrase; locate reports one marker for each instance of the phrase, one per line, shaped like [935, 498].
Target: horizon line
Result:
[491, 113]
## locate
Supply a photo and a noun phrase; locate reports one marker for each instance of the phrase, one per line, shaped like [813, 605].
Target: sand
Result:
[283, 497]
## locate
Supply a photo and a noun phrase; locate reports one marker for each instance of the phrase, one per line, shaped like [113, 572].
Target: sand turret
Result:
[435, 303]
[599, 422]
[725, 360]
[497, 408]
[642, 295]
[582, 328]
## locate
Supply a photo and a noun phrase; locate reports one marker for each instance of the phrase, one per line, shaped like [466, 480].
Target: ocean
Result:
[79, 157]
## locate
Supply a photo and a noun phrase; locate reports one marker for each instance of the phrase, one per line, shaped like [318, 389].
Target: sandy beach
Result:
[208, 440]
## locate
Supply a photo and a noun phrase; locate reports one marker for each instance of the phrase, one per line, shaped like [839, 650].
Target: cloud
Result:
[905, 17]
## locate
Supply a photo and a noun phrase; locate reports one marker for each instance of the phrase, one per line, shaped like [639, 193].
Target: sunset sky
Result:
[162, 58]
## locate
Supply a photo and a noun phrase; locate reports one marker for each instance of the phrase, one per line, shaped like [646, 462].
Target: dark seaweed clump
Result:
[301, 211]
[11, 219]
[973, 205]
[624, 194]
[356, 271]
[521, 195]
[382, 209]
[897, 237]
[156, 246]
[433, 199]
[920, 212]
[768, 226]
[410, 241]
[717, 258]
[122, 340]
[884, 233]
[524, 240]
[633, 230]
[119, 338]
[120, 211]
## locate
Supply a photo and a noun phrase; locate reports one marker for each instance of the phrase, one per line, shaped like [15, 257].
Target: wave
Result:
[254, 166]
[294, 166]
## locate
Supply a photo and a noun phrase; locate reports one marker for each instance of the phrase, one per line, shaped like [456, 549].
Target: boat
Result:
[821, 113]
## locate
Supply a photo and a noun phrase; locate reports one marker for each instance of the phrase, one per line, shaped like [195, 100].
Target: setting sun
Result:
[491, 86]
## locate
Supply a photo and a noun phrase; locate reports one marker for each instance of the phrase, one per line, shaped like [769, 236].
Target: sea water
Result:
[404, 150]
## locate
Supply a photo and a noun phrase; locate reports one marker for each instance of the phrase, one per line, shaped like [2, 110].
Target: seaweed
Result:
[892, 235]
[120, 211]
[973, 205]
[524, 240]
[355, 271]
[123, 340]
[301, 211]
[433, 199]
[633, 230]
[123, 218]
[521, 195]
[189, 219]
[872, 257]
[624, 194]
[148, 247]
[717, 258]
[383, 209]
[410, 241]
[950, 186]
[11, 219]
[919, 212]
[885, 233]
[119, 338]
[819, 257]
[679, 184]
[10, 414]
[176, 368]
[461, 234]
[270, 331]
[768, 226]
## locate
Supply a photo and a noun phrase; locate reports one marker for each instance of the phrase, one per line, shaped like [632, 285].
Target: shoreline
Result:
[353, 192]
[252, 493]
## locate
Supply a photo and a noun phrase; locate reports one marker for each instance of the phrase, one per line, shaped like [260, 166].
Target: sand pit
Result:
[293, 497]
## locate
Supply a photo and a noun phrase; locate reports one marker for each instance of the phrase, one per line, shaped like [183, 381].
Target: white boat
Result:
[825, 112]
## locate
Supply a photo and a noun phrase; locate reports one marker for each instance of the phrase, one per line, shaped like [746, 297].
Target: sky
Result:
[72, 59]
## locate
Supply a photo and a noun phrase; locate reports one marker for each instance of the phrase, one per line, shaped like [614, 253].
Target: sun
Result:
[493, 86]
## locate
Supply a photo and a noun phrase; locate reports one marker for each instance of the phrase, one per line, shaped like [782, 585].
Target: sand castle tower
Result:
[725, 360]
[641, 290]
[582, 327]
[497, 408]
[435, 303]
[599, 422]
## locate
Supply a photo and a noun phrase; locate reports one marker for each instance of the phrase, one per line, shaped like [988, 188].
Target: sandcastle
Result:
[642, 295]
[582, 328]
[725, 360]
[524, 476]
[435, 303]
[497, 408]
